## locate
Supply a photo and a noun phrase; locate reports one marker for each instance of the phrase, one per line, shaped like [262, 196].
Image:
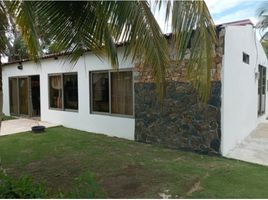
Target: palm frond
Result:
[24, 13]
[78, 26]
[147, 43]
[192, 22]
[262, 13]
[3, 28]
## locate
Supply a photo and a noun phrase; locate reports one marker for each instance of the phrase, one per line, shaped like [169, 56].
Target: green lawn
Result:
[126, 169]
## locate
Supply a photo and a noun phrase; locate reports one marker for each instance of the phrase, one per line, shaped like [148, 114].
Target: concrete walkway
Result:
[254, 148]
[21, 125]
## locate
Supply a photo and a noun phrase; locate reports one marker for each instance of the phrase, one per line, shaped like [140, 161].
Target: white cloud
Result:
[238, 15]
[219, 6]
[222, 11]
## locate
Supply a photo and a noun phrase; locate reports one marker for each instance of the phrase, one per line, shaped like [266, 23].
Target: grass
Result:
[5, 118]
[126, 169]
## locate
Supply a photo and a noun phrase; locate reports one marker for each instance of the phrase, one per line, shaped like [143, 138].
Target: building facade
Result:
[91, 96]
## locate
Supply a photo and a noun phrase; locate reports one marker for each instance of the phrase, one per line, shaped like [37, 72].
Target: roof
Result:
[237, 23]
[168, 35]
[52, 55]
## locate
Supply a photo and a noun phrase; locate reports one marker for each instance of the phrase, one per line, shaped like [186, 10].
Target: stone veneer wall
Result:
[182, 121]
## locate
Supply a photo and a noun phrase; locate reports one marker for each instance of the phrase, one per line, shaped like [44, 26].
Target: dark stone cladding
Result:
[182, 121]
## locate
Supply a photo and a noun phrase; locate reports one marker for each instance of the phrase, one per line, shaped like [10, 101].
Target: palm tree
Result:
[98, 26]
[3, 47]
[3, 28]
[262, 13]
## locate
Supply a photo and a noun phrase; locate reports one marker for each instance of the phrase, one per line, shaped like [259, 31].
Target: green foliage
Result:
[5, 118]
[86, 188]
[20, 49]
[3, 29]
[265, 46]
[21, 188]
[54, 48]
[24, 187]
[262, 13]
[192, 22]
[99, 25]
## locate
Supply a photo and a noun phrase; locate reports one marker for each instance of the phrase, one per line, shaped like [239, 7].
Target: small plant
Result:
[87, 188]
[21, 188]
[5, 118]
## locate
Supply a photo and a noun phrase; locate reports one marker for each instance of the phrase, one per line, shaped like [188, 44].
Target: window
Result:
[55, 90]
[121, 93]
[70, 91]
[245, 58]
[112, 92]
[261, 90]
[63, 91]
[100, 92]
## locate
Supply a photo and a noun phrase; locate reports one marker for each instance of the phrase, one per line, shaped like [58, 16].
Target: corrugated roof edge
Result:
[237, 23]
[53, 55]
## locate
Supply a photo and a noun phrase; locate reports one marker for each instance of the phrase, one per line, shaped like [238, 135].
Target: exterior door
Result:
[34, 96]
[24, 96]
[13, 96]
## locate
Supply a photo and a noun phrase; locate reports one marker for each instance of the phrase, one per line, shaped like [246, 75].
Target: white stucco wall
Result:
[122, 127]
[239, 115]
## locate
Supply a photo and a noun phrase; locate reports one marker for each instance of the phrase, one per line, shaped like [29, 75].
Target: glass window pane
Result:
[70, 91]
[262, 90]
[13, 96]
[122, 93]
[100, 92]
[35, 95]
[23, 96]
[264, 80]
[55, 92]
[245, 58]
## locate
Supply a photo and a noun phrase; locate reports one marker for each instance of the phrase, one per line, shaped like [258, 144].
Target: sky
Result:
[223, 11]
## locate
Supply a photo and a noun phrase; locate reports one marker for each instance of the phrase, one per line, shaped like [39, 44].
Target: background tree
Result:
[265, 46]
[262, 13]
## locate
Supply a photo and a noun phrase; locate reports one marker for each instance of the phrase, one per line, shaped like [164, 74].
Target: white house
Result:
[91, 96]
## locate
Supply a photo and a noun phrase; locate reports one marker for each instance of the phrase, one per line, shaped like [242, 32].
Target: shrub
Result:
[20, 188]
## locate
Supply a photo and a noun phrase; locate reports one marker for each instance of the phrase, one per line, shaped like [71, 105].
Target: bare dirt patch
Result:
[128, 183]
[57, 174]
[196, 187]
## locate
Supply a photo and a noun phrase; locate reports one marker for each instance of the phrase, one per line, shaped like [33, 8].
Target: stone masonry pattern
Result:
[182, 121]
